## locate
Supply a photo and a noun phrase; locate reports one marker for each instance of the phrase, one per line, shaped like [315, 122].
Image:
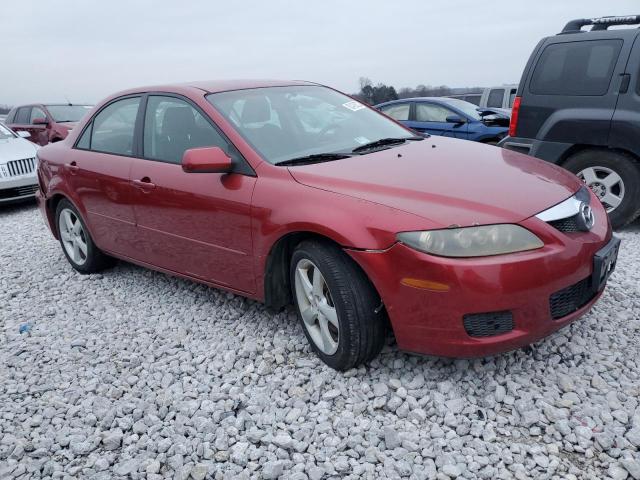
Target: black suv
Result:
[578, 105]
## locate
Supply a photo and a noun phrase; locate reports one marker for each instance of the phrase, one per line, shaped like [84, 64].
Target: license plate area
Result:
[604, 263]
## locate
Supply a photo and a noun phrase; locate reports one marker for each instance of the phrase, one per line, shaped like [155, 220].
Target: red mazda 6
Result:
[291, 192]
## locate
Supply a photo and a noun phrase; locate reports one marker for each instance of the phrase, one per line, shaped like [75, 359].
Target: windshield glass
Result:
[68, 113]
[283, 123]
[469, 109]
[5, 133]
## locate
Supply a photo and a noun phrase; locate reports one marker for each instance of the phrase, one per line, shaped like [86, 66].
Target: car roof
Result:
[215, 86]
[418, 99]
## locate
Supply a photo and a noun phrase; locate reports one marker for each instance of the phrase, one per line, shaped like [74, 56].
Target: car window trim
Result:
[89, 124]
[241, 167]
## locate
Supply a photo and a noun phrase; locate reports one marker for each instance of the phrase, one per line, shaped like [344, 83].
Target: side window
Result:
[512, 96]
[36, 112]
[397, 111]
[10, 117]
[495, 98]
[85, 141]
[172, 126]
[112, 129]
[22, 117]
[429, 112]
[475, 99]
[576, 68]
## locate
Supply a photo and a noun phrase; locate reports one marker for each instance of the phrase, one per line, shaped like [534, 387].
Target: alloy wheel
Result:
[73, 236]
[606, 184]
[316, 307]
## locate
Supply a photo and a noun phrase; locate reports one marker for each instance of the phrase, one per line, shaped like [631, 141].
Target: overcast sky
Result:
[85, 50]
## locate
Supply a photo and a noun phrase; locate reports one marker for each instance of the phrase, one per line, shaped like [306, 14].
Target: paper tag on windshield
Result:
[362, 140]
[353, 106]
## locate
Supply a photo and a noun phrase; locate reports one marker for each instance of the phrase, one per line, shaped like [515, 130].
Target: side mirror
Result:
[40, 121]
[23, 134]
[455, 119]
[206, 160]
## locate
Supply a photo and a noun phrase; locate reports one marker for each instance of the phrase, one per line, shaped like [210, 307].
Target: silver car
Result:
[18, 179]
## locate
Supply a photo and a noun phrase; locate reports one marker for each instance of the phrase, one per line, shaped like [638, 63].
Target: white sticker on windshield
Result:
[362, 140]
[353, 106]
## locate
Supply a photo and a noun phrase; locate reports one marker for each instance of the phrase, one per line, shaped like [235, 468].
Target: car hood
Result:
[447, 181]
[16, 149]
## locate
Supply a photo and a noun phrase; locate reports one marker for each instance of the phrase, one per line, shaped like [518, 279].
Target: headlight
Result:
[472, 241]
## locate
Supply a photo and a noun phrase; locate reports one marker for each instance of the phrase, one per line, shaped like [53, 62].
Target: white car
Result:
[18, 163]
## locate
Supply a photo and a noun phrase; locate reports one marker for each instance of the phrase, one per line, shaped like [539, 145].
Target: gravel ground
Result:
[136, 374]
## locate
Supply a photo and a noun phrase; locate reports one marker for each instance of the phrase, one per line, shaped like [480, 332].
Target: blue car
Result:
[449, 117]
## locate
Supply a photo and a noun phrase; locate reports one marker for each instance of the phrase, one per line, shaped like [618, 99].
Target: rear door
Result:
[39, 132]
[197, 224]
[625, 126]
[97, 170]
[572, 88]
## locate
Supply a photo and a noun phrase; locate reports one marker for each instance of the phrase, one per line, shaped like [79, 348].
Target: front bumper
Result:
[427, 297]
[18, 188]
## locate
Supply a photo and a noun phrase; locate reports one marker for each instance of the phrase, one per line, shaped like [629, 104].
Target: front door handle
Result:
[72, 167]
[144, 184]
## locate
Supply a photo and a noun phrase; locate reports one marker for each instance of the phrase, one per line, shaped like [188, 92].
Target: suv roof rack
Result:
[602, 23]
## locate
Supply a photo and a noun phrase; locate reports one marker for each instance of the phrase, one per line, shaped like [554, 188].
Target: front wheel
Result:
[614, 177]
[340, 311]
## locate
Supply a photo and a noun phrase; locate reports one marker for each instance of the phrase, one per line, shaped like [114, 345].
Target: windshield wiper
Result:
[384, 142]
[314, 158]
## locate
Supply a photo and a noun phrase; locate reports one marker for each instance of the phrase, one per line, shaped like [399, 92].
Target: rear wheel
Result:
[614, 177]
[77, 244]
[339, 310]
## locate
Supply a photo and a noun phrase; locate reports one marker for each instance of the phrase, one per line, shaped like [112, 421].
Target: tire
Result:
[594, 167]
[361, 322]
[76, 242]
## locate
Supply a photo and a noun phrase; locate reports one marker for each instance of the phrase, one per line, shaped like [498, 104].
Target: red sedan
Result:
[291, 192]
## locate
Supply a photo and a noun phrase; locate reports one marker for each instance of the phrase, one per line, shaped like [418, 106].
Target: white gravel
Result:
[136, 374]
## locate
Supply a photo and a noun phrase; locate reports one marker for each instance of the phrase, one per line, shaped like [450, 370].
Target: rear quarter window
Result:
[576, 68]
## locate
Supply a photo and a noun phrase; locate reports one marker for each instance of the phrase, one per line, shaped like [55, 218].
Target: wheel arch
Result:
[277, 284]
[578, 148]
[51, 204]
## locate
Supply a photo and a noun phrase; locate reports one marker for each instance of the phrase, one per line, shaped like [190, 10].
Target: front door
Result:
[431, 118]
[39, 131]
[197, 224]
[98, 169]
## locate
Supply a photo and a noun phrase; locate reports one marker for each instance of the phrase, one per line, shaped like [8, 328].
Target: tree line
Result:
[378, 93]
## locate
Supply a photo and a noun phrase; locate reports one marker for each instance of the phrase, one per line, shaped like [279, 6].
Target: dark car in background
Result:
[449, 117]
[46, 123]
[578, 105]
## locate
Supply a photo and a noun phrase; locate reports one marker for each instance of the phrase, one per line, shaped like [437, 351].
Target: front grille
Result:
[18, 191]
[570, 299]
[566, 225]
[21, 167]
[488, 324]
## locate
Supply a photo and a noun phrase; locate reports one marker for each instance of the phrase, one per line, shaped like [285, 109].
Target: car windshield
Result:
[5, 133]
[468, 108]
[68, 113]
[285, 123]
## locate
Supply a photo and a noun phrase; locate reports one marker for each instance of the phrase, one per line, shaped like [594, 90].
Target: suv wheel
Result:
[337, 306]
[614, 178]
[77, 244]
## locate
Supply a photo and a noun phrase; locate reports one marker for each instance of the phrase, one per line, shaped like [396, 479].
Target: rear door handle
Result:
[72, 167]
[144, 184]
[624, 83]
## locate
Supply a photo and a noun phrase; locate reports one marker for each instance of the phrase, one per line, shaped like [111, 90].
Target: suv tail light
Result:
[514, 116]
